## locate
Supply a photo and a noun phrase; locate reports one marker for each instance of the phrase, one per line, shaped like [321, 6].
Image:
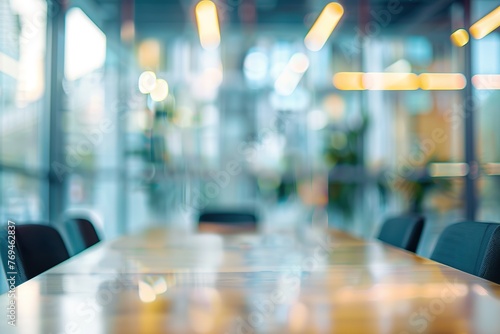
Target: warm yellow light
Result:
[146, 292]
[486, 25]
[486, 81]
[450, 169]
[348, 81]
[324, 25]
[491, 168]
[208, 24]
[160, 92]
[298, 316]
[460, 37]
[149, 54]
[442, 81]
[390, 81]
[147, 82]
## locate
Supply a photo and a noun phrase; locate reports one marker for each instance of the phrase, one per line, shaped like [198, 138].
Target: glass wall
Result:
[155, 127]
[22, 87]
[486, 70]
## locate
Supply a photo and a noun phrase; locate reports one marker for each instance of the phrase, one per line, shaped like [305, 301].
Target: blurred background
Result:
[143, 112]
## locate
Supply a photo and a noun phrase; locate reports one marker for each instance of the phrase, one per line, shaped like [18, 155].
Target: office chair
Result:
[4, 287]
[40, 247]
[82, 234]
[403, 232]
[472, 247]
[12, 266]
[227, 221]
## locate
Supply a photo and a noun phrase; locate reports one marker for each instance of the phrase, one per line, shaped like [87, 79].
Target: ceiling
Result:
[157, 18]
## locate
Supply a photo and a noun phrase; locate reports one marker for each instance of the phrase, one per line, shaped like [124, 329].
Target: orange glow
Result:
[149, 54]
[324, 25]
[442, 81]
[390, 81]
[492, 168]
[486, 81]
[297, 318]
[208, 24]
[348, 81]
[127, 32]
[486, 25]
[460, 37]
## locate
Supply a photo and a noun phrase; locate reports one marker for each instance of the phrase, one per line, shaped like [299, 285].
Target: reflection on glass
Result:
[205, 309]
[298, 317]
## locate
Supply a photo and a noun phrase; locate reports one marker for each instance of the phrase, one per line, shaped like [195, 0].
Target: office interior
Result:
[142, 114]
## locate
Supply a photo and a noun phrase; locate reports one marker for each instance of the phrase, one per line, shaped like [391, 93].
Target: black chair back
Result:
[226, 221]
[472, 247]
[403, 232]
[4, 287]
[82, 234]
[11, 262]
[40, 247]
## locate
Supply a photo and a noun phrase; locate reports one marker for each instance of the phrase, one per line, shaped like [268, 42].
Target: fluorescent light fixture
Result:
[390, 81]
[486, 24]
[492, 168]
[293, 72]
[348, 81]
[460, 37]
[448, 169]
[324, 25]
[299, 63]
[208, 24]
[442, 81]
[486, 81]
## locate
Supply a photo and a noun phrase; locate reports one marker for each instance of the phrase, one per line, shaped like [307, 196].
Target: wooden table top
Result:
[309, 282]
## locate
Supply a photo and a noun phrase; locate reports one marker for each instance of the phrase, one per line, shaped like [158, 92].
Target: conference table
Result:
[305, 281]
